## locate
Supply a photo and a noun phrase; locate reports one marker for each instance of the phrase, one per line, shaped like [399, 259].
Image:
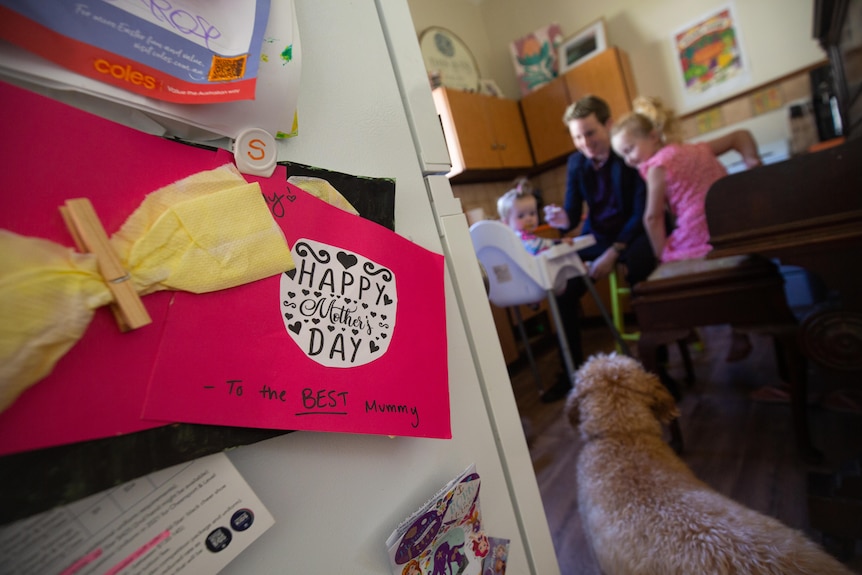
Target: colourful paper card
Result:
[186, 54]
[352, 340]
[97, 389]
[445, 535]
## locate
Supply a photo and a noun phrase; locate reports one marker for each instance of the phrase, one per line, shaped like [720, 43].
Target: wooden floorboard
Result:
[742, 448]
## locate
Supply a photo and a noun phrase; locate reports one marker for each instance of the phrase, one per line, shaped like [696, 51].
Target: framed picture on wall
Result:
[711, 61]
[535, 57]
[579, 48]
[448, 60]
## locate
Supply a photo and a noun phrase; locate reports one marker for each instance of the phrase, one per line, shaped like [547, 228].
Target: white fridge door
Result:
[337, 497]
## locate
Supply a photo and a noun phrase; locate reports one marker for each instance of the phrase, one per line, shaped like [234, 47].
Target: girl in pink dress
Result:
[678, 176]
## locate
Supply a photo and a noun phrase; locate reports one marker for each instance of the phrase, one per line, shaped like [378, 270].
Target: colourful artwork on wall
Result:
[710, 57]
[535, 57]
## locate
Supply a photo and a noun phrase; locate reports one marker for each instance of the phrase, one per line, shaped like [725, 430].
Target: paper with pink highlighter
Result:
[112, 383]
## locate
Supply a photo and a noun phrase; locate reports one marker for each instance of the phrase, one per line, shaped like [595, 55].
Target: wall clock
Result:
[447, 56]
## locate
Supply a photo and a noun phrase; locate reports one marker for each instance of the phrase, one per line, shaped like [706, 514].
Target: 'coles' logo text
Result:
[125, 73]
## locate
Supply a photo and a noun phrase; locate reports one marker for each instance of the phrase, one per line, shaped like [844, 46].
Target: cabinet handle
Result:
[502, 146]
[494, 146]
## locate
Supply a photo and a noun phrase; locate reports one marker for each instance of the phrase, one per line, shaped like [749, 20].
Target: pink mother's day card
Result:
[353, 339]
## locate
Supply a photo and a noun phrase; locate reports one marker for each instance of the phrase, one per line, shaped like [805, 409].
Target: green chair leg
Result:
[617, 312]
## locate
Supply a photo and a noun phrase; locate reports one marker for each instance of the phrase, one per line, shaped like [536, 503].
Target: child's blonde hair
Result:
[522, 189]
[649, 115]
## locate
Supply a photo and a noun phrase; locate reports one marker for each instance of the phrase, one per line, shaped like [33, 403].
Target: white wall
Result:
[776, 34]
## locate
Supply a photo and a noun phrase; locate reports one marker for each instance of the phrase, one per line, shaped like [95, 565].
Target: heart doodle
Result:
[295, 327]
[290, 273]
[291, 199]
[386, 299]
[372, 346]
[315, 321]
[347, 260]
[291, 294]
[288, 315]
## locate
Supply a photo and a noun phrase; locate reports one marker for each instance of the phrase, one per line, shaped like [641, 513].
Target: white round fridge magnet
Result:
[255, 152]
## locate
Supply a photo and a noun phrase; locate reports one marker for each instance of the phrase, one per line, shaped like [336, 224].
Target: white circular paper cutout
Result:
[338, 306]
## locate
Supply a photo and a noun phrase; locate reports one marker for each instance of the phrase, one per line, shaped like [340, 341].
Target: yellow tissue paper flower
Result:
[48, 294]
[207, 232]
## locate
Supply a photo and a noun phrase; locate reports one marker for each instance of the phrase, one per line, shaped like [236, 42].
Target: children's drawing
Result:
[710, 56]
[338, 306]
[535, 57]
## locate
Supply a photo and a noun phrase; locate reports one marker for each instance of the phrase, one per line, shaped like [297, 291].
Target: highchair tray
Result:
[517, 277]
[563, 250]
[561, 262]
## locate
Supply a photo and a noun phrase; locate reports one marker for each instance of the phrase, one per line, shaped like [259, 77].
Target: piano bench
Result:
[745, 291]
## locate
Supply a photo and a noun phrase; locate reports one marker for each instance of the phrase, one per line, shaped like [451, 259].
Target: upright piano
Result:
[807, 211]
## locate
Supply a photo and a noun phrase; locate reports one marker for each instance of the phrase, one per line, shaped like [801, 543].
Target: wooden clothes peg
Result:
[90, 237]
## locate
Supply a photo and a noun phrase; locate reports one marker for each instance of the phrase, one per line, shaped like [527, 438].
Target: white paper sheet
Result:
[191, 518]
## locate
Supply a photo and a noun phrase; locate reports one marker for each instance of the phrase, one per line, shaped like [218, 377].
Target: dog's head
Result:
[613, 393]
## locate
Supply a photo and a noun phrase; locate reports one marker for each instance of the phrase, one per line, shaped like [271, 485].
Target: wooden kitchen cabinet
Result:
[607, 75]
[543, 113]
[482, 132]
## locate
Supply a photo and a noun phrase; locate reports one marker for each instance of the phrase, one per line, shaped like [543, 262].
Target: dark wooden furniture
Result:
[746, 291]
[833, 333]
[806, 212]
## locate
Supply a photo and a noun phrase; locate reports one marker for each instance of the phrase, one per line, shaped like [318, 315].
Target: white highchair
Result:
[516, 277]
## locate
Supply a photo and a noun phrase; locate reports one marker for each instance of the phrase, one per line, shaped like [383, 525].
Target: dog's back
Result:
[644, 510]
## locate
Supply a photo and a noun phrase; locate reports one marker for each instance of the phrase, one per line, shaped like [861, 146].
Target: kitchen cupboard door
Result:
[482, 132]
[510, 136]
[468, 134]
[543, 114]
[608, 76]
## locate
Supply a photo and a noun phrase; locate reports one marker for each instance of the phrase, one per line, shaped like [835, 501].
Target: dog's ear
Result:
[662, 404]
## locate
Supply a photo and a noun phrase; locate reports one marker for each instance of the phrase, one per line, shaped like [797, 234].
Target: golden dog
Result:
[643, 509]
